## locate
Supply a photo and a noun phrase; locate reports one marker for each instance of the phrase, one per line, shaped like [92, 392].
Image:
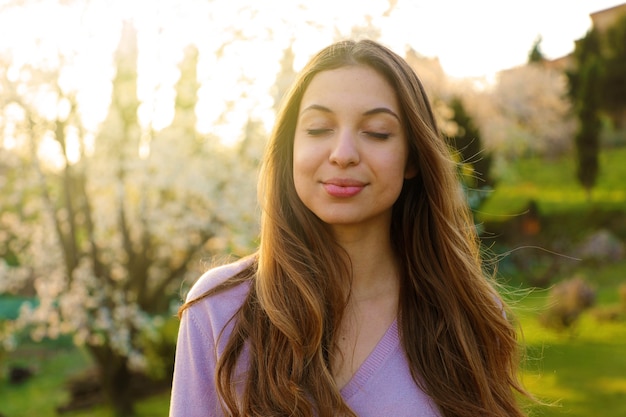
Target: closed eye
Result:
[317, 132]
[378, 135]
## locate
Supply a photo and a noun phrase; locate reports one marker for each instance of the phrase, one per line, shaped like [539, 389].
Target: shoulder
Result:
[213, 313]
[214, 277]
[205, 328]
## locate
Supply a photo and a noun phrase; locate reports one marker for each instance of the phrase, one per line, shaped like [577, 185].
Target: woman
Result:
[366, 296]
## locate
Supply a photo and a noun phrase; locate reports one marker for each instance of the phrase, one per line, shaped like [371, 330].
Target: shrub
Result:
[621, 290]
[566, 301]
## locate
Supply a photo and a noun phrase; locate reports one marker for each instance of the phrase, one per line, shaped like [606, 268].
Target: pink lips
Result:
[343, 188]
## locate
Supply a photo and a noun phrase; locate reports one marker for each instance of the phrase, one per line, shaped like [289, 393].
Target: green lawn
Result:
[553, 185]
[583, 373]
[40, 396]
[157, 406]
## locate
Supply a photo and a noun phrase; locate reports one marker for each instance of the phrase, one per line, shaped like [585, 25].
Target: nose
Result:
[345, 151]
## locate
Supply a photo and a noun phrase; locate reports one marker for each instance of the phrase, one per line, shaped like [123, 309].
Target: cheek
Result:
[297, 161]
[396, 173]
[306, 155]
[397, 166]
[302, 169]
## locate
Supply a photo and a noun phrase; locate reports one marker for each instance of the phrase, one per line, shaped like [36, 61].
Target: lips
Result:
[342, 187]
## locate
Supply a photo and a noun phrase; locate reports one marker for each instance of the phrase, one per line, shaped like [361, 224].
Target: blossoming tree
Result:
[105, 229]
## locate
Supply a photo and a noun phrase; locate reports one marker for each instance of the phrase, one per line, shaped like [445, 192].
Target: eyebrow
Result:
[371, 112]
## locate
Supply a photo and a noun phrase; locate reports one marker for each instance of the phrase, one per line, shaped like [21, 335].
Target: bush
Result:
[566, 302]
[160, 350]
[621, 290]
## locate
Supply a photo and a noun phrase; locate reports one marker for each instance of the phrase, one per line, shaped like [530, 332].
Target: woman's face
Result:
[350, 151]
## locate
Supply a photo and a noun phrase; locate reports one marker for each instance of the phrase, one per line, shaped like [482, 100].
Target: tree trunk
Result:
[589, 194]
[116, 379]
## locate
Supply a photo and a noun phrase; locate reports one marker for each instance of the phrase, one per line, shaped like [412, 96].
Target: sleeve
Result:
[193, 387]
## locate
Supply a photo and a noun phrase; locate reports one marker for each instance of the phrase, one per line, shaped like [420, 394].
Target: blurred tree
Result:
[285, 77]
[467, 141]
[613, 98]
[438, 87]
[112, 225]
[585, 92]
[474, 161]
[536, 55]
[532, 114]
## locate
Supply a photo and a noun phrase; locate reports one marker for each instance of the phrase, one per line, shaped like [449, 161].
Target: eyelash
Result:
[317, 132]
[378, 135]
[320, 132]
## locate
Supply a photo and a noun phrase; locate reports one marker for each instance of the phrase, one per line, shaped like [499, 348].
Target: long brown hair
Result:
[466, 357]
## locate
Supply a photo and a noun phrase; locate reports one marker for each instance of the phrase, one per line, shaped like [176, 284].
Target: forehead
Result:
[355, 85]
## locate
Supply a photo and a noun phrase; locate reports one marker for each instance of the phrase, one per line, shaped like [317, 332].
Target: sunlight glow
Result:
[241, 44]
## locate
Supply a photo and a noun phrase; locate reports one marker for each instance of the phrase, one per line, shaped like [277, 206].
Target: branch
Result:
[71, 244]
[146, 300]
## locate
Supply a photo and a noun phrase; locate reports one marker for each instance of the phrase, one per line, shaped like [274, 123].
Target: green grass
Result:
[582, 373]
[54, 363]
[40, 395]
[156, 406]
[553, 185]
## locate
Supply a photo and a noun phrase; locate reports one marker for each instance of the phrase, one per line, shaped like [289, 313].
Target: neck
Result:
[374, 263]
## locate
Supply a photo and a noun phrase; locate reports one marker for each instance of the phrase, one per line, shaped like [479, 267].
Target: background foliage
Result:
[105, 224]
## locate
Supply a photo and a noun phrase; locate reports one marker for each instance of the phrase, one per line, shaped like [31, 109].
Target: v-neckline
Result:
[377, 357]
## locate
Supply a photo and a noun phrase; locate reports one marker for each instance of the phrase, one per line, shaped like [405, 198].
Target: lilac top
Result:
[382, 386]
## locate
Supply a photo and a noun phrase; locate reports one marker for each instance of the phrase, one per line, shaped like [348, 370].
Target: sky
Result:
[480, 37]
[474, 38]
